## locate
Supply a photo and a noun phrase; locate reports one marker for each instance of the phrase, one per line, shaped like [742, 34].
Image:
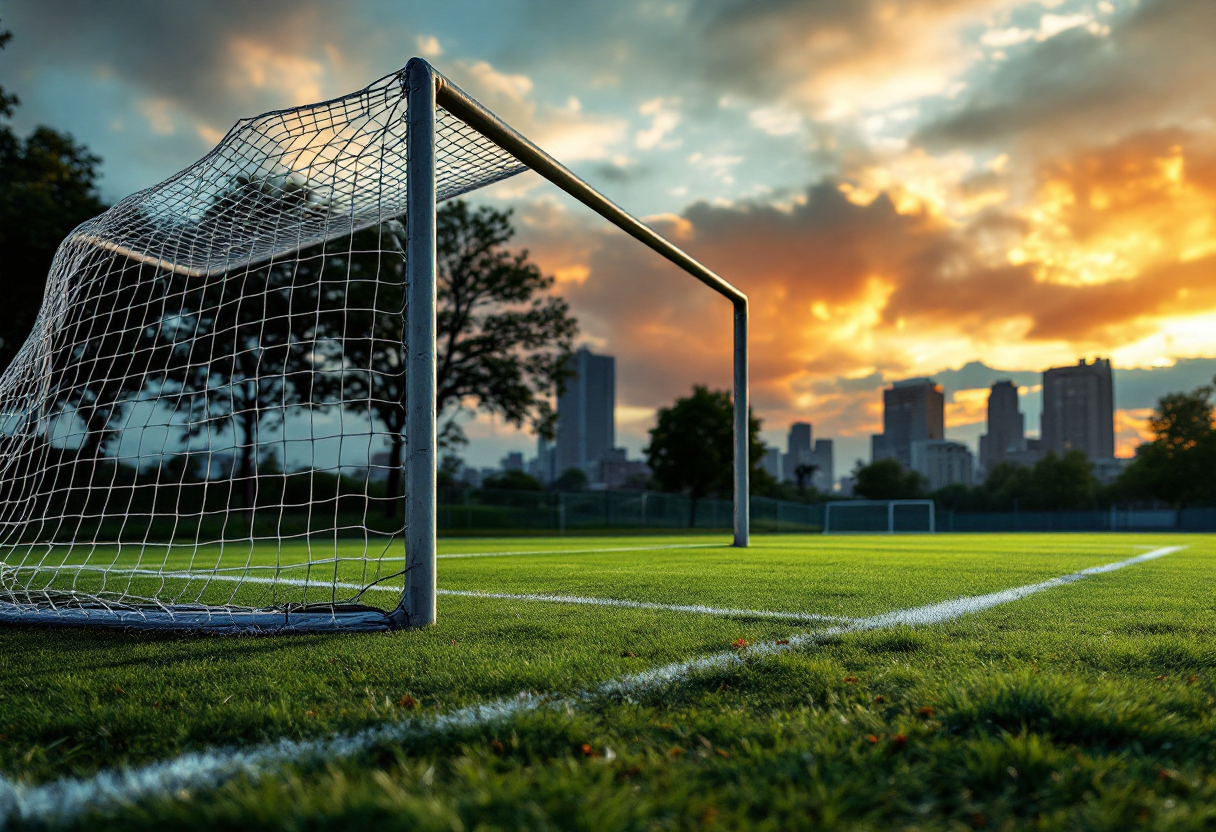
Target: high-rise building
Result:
[1005, 440]
[586, 421]
[797, 450]
[942, 462]
[544, 467]
[823, 458]
[514, 461]
[771, 462]
[1079, 409]
[913, 410]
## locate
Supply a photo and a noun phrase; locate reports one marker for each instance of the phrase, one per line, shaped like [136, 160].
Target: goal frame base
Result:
[202, 619]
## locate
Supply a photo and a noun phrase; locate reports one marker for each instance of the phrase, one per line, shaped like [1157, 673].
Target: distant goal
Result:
[224, 418]
[879, 517]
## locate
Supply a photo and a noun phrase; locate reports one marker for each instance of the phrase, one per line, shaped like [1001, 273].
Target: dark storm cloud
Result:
[170, 48]
[1149, 71]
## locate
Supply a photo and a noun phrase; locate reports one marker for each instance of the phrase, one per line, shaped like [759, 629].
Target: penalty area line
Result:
[70, 797]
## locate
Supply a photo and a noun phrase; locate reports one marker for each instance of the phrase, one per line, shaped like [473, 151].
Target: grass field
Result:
[1088, 704]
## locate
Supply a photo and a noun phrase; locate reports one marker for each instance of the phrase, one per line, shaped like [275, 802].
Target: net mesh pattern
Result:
[206, 425]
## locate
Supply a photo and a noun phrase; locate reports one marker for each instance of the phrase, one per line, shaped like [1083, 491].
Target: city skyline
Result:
[888, 225]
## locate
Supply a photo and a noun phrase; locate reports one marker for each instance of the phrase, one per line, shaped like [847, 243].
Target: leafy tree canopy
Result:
[572, 479]
[513, 481]
[886, 479]
[1179, 465]
[691, 447]
[48, 186]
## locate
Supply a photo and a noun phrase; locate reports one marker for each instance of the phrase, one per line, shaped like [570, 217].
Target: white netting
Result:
[205, 426]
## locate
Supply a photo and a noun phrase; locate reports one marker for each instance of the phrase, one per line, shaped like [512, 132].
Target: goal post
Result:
[232, 379]
[879, 517]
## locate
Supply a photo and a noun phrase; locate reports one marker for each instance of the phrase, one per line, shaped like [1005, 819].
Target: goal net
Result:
[879, 516]
[224, 415]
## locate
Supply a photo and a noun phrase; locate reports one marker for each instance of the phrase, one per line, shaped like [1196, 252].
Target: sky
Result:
[970, 190]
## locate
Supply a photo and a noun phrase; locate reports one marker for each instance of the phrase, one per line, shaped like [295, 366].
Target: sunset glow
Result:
[901, 189]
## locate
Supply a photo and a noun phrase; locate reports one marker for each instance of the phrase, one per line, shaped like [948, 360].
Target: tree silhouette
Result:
[803, 472]
[691, 448]
[502, 340]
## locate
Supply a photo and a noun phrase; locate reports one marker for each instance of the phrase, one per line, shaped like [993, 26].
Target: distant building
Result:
[1005, 440]
[913, 410]
[1028, 457]
[823, 458]
[847, 486]
[513, 461]
[586, 421]
[797, 450]
[544, 466]
[617, 471]
[1079, 409]
[942, 462]
[771, 462]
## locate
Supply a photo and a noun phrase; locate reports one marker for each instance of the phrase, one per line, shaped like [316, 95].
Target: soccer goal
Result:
[225, 415]
[879, 516]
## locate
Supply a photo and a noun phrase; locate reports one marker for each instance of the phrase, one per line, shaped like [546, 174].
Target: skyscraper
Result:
[797, 450]
[1006, 436]
[586, 421]
[823, 458]
[1079, 409]
[913, 410]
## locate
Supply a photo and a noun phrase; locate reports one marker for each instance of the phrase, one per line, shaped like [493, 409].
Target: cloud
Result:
[564, 131]
[846, 296]
[663, 119]
[776, 120]
[428, 46]
[1093, 87]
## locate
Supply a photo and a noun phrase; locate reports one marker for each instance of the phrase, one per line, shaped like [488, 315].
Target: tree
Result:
[886, 479]
[48, 186]
[691, 447]
[572, 479]
[1063, 483]
[1179, 465]
[502, 340]
[242, 345]
[240, 358]
[803, 472]
[513, 481]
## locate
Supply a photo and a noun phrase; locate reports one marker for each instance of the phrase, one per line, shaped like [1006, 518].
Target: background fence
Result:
[474, 511]
[1098, 520]
[489, 511]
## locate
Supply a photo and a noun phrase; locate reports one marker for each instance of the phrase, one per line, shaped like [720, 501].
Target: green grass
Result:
[1089, 705]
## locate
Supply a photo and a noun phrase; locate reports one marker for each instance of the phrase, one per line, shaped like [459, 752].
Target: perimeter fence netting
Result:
[205, 427]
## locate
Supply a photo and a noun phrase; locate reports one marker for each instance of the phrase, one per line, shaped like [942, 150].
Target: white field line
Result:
[70, 797]
[582, 551]
[697, 609]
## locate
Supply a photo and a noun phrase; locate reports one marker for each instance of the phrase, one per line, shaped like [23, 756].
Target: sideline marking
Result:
[69, 797]
[698, 609]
